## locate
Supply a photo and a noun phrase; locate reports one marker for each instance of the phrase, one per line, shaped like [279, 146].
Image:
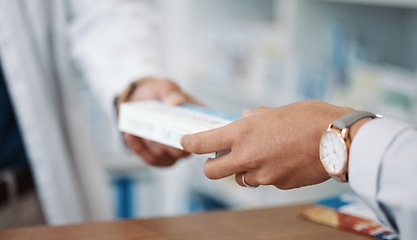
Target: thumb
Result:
[175, 98]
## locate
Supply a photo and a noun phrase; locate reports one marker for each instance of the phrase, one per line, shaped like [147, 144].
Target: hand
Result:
[272, 146]
[151, 152]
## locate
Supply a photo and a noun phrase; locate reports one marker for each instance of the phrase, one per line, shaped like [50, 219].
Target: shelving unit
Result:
[237, 54]
[298, 50]
[364, 48]
[396, 3]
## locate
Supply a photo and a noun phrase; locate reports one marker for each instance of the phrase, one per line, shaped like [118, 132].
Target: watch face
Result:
[333, 153]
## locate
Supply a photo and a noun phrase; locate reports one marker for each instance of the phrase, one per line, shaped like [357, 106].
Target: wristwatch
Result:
[335, 144]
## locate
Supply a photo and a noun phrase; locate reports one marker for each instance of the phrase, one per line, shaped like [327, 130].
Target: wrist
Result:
[356, 126]
[126, 95]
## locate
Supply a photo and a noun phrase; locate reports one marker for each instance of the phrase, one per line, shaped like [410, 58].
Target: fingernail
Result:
[174, 98]
[182, 140]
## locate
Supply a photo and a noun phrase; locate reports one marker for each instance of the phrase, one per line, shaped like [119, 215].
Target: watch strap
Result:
[350, 118]
[127, 93]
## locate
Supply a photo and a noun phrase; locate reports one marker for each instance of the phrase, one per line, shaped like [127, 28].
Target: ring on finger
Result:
[246, 184]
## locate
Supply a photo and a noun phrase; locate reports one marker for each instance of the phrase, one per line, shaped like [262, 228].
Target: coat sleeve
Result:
[382, 170]
[114, 42]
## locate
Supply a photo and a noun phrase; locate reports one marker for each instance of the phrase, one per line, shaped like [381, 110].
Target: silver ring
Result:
[247, 185]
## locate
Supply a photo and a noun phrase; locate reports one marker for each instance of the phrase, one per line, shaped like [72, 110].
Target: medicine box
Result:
[166, 124]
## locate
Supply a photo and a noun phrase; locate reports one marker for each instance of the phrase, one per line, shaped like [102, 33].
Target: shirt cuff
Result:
[366, 155]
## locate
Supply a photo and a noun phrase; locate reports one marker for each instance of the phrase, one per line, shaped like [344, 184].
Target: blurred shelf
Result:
[386, 3]
[117, 162]
[226, 98]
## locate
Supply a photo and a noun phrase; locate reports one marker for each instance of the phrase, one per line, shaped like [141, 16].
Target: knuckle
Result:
[316, 102]
[241, 131]
[310, 104]
[195, 145]
[265, 179]
[313, 102]
[249, 163]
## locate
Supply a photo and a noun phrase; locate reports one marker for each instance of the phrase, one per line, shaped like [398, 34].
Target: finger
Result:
[154, 89]
[147, 90]
[158, 156]
[249, 179]
[255, 111]
[172, 94]
[134, 143]
[224, 166]
[176, 153]
[161, 162]
[137, 145]
[165, 162]
[166, 87]
[193, 100]
[175, 98]
[155, 149]
[209, 141]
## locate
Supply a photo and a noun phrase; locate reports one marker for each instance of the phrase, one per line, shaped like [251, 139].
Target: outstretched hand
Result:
[271, 146]
[151, 152]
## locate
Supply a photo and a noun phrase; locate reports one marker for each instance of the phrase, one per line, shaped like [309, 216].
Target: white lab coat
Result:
[382, 169]
[111, 43]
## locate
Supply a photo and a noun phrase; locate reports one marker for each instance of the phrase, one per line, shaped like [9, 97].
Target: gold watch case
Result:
[342, 136]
